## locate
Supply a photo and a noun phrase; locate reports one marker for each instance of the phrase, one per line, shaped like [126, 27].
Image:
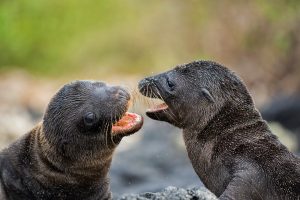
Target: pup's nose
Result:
[144, 83]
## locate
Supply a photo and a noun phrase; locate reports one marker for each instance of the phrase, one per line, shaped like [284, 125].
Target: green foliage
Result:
[36, 33]
[69, 36]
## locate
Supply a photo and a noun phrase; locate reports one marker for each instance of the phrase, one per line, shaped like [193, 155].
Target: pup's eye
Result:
[89, 119]
[171, 85]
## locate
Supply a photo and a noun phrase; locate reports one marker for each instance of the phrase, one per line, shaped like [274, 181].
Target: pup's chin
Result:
[162, 112]
[159, 112]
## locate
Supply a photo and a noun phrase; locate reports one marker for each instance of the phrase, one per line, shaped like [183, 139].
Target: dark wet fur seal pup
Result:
[230, 146]
[68, 155]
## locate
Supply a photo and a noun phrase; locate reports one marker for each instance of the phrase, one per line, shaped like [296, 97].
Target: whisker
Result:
[170, 112]
[111, 121]
[112, 139]
[106, 134]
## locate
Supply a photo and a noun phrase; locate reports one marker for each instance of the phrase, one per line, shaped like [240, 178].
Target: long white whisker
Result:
[170, 112]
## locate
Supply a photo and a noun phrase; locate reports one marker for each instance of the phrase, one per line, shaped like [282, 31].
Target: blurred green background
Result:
[94, 38]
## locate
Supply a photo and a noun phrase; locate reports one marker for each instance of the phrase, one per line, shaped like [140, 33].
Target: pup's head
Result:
[193, 92]
[87, 117]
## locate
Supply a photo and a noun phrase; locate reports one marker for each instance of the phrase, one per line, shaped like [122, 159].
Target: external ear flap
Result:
[207, 95]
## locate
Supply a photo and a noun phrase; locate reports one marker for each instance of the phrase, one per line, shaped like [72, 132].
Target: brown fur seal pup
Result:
[68, 155]
[230, 146]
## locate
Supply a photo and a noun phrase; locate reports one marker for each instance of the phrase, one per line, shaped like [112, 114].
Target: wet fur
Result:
[60, 158]
[230, 146]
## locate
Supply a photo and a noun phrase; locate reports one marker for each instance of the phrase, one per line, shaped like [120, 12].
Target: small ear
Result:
[207, 95]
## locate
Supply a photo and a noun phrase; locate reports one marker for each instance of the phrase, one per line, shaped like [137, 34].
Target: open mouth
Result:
[162, 107]
[160, 111]
[128, 124]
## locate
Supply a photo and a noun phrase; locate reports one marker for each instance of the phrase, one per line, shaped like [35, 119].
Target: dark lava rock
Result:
[173, 193]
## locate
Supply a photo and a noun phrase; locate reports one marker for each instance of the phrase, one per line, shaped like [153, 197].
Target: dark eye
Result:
[171, 85]
[89, 119]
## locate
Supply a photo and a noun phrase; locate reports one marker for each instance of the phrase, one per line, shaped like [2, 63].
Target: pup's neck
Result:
[229, 118]
[83, 172]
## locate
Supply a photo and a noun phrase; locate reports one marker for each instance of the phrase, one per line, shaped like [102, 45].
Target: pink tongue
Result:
[128, 124]
[126, 120]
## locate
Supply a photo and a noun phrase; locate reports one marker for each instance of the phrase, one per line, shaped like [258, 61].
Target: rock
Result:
[173, 193]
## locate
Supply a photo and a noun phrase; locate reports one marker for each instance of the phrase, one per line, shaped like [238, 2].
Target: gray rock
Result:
[173, 193]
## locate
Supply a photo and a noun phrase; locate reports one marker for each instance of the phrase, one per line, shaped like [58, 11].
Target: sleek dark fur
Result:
[68, 155]
[230, 146]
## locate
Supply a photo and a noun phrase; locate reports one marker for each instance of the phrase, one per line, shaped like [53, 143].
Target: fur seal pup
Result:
[230, 146]
[68, 155]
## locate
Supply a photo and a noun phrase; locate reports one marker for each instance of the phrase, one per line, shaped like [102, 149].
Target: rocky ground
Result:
[173, 193]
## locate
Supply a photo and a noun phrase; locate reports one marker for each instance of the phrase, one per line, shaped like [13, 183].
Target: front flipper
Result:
[242, 188]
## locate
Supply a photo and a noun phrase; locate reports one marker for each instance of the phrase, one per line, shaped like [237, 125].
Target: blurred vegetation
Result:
[61, 37]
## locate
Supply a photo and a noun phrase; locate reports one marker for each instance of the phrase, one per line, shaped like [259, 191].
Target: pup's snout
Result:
[143, 84]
